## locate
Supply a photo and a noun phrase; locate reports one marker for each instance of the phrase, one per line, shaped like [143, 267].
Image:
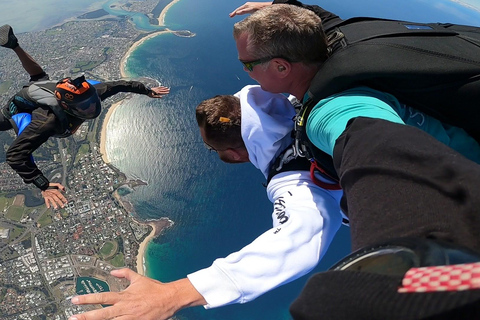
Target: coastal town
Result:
[49, 255]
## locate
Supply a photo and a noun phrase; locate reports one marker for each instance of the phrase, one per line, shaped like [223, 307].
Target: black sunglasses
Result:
[249, 65]
[211, 148]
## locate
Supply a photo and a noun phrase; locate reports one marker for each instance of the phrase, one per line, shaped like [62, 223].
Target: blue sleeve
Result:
[22, 120]
[330, 116]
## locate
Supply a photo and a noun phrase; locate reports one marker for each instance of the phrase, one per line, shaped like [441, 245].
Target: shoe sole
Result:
[4, 31]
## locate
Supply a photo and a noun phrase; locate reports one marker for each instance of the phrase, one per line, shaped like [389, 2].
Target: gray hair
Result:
[286, 31]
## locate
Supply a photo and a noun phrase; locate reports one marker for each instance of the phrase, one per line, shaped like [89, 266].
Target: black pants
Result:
[398, 181]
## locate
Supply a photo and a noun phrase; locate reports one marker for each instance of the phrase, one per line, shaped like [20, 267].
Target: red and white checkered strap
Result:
[442, 278]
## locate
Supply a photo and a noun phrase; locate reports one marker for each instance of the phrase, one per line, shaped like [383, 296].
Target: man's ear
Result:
[282, 67]
[238, 154]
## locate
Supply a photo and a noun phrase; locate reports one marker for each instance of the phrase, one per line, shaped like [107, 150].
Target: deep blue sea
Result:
[217, 208]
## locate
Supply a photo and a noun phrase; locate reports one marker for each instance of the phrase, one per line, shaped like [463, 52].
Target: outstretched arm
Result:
[109, 88]
[19, 157]
[305, 219]
[249, 7]
[329, 19]
[145, 299]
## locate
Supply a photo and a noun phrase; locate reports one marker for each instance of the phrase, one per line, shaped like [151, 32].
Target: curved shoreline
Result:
[124, 74]
[163, 223]
[157, 228]
[161, 17]
[161, 23]
[123, 61]
[103, 132]
[141, 250]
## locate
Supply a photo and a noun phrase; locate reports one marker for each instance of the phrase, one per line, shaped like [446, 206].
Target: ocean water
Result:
[34, 15]
[217, 208]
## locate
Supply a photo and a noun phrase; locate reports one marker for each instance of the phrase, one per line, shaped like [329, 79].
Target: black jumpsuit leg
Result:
[398, 181]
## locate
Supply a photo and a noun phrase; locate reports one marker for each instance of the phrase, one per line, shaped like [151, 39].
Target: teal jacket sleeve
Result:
[330, 116]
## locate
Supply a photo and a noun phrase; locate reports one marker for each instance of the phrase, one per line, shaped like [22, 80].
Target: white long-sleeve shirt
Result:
[305, 216]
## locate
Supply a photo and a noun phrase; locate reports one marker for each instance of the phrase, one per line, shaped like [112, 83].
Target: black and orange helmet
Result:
[78, 98]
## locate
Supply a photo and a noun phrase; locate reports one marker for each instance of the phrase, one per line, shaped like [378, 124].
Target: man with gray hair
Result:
[285, 40]
[398, 181]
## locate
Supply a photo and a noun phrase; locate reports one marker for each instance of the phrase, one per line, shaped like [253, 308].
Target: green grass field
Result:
[109, 249]
[46, 218]
[5, 202]
[16, 232]
[84, 149]
[118, 261]
[15, 213]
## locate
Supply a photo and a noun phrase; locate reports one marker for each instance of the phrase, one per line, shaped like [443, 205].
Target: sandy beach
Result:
[161, 17]
[103, 132]
[161, 23]
[142, 248]
[158, 227]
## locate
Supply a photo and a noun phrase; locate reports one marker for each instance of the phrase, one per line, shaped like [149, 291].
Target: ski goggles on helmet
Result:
[78, 98]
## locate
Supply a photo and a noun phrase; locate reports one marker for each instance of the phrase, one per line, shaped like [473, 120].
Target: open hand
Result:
[145, 299]
[53, 195]
[159, 92]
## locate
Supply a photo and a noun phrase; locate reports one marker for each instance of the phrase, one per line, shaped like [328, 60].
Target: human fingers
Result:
[99, 314]
[249, 7]
[238, 11]
[158, 92]
[57, 185]
[60, 197]
[47, 202]
[57, 196]
[54, 197]
[165, 89]
[126, 273]
[97, 298]
[103, 298]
